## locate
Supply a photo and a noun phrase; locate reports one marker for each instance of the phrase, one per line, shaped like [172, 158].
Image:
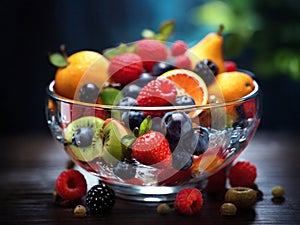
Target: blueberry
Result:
[131, 90]
[133, 119]
[144, 79]
[88, 93]
[207, 70]
[125, 170]
[176, 124]
[83, 137]
[184, 100]
[181, 160]
[161, 67]
[197, 141]
[127, 101]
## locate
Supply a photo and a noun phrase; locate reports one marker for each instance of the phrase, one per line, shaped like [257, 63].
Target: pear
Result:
[210, 47]
[113, 132]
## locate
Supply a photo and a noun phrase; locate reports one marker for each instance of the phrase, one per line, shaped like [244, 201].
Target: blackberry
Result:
[100, 199]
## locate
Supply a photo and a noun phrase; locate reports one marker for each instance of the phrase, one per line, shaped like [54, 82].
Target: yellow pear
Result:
[210, 47]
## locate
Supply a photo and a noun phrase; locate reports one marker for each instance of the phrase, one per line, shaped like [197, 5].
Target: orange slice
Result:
[188, 83]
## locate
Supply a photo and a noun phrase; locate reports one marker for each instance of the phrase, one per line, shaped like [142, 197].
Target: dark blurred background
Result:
[262, 36]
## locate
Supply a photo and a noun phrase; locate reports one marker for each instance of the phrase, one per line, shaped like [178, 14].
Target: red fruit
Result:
[183, 62]
[125, 68]
[71, 185]
[216, 183]
[151, 51]
[230, 66]
[172, 177]
[158, 92]
[178, 48]
[100, 113]
[152, 148]
[188, 201]
[243, 173]
[249, 108]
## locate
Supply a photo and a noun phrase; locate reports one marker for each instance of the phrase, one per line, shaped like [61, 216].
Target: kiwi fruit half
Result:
[83, 136]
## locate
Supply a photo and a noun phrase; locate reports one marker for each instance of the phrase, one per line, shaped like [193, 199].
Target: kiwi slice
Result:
[113, 149]
[85, 152]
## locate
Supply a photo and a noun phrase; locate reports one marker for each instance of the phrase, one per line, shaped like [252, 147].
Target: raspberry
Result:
[71, 184]
[183, 62]
[159, 92]
[151, 51]
[152, 148]
[178, 48]
[216, 183]
[243, 173]
[188, 201]
[125, 68]
[230, 66]
[100, 199]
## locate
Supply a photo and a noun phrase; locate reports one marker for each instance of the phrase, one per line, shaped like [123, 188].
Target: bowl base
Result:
[151, 193]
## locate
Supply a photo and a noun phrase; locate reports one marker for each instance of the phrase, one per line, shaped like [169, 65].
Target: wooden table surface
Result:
[31, 163]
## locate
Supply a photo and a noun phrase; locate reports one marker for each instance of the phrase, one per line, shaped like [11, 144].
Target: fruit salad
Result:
[152, 112]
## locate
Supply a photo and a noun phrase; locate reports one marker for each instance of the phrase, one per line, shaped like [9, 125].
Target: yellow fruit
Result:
[210, 47]
[83, 67]
[232, 85]
[188, 83]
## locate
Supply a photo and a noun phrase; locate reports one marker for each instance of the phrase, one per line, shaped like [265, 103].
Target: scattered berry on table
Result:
[80, 211]
[163, 209]
[241, 197]
[71, 184]
[100, 198]
[151, 51]
[125, 170]
[184, 100]
[125, 68]
[152, 148]
[88, 93]
[161, 67]
[159, 92]
[242, 173]
[188, 201]
[179, 47]
[228, 209]
[277, 192]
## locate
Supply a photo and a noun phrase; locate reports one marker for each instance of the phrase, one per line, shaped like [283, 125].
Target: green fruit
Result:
[94, 150]
[113, 132]
[110, 96]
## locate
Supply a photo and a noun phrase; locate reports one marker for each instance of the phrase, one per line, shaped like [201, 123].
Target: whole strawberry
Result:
[151, 51]
[125, 68]
[242, 173]
[152, 148]
[158, 92]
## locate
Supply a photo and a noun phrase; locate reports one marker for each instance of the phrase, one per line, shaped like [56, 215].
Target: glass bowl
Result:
[224, 135]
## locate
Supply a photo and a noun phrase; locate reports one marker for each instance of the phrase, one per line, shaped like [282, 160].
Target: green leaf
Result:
[145, 125]
[58, 59]
[127, 141]
[110, 53]
[167, 28]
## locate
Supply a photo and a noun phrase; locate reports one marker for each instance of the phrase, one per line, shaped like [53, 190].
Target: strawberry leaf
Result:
[145, 125]
[147, 33]
[167, 28]
[58, 59]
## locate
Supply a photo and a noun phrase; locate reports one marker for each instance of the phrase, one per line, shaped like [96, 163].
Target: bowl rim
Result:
[57, 97]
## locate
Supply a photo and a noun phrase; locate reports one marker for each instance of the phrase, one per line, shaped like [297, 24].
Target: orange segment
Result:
[188, 83]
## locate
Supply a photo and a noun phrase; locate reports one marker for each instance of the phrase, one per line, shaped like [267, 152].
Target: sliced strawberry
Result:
[152, 148]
